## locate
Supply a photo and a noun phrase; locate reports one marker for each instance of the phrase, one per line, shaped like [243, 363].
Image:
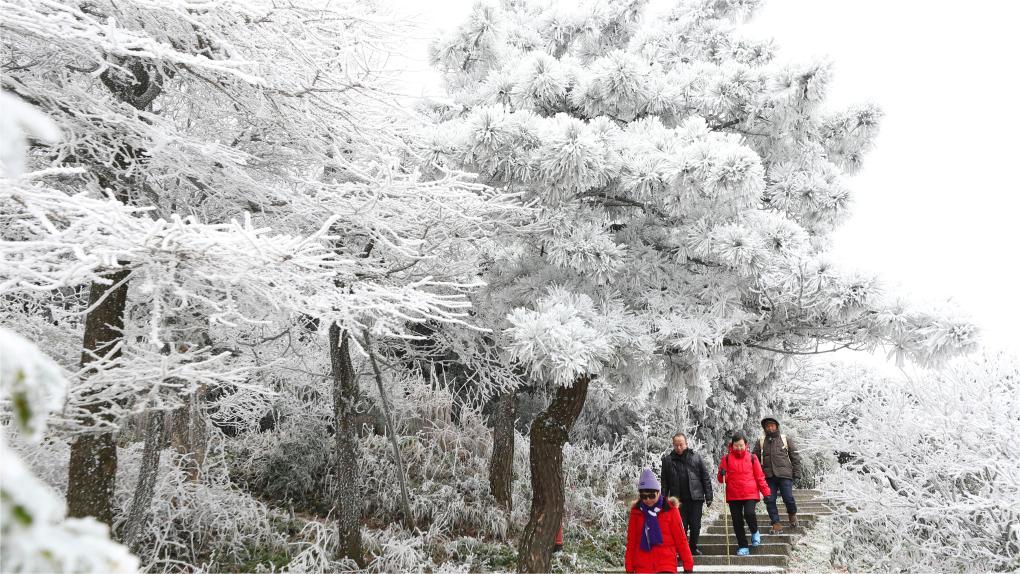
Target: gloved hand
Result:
[708, 503]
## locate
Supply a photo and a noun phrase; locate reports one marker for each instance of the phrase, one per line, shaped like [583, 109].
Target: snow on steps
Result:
[773, 556]
[735, 568]
[719, 545]
[739, 568]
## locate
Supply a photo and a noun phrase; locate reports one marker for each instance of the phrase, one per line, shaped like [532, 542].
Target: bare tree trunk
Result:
[348, 496]
[92, 471]
[146, 486]
[402, 475]
[501, 465]
[548, 434]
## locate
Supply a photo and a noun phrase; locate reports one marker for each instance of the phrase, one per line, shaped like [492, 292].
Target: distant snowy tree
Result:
[925, 461]
[688, 185]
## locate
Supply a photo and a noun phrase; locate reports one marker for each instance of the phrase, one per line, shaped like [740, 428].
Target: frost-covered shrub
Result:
[208, 522]
[597, 480]
[447, 470]
[929, 467]
[292, 466]
[446, 463]
[35, 535]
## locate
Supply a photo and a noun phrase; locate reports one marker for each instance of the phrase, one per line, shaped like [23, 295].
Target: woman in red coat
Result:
[744, 480]
[655, 534]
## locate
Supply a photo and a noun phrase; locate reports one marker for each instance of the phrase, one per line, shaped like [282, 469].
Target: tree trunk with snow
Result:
[188, 434]
[501, 464]
[405, 501]
[347, 506]
[145, 488]
[92, 471]
[548, 435]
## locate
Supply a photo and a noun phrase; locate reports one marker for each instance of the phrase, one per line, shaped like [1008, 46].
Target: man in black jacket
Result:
[685, 476]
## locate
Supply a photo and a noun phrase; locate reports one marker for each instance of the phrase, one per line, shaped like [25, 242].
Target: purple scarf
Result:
[651, 533]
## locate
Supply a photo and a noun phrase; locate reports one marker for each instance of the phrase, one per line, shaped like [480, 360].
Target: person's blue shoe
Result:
[743, 551]
[756, 539]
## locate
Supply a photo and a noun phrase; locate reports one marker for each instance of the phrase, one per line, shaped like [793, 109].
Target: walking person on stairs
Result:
[654, 534]
[685, 476]
[781, 463]
[744, 479]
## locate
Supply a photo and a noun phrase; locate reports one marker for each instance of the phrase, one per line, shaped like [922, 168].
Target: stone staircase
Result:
[719, 546]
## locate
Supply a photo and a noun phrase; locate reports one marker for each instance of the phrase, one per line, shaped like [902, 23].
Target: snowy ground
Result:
[811, 552]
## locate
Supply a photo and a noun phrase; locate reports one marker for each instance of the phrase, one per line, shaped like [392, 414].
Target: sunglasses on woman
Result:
[645, 495]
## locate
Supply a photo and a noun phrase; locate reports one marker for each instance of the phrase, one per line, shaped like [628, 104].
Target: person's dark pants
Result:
[779, 486]
[690, 513]
[743, 511]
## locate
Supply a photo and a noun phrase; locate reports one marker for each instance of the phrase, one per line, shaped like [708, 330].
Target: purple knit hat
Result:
[648, 480]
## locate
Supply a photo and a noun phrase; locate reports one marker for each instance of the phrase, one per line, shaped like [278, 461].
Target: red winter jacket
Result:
[661, 558]
[744, 477]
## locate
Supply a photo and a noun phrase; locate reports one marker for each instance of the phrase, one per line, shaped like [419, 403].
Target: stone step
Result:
[721, 569]
[720, 528]
[807, 506]
[723, 549]
[807, 492]
[801, 506]
[737, 569]
[752, 560]
[723, 538]
[784, 520]
[819, 510]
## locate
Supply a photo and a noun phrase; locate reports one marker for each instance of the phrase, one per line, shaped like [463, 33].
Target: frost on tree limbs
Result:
[549, 432]
[92, 470]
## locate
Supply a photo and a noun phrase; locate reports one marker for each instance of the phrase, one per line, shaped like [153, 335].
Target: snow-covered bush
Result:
[446, 462]
[210, 522]
[35, 536]
[928, 466]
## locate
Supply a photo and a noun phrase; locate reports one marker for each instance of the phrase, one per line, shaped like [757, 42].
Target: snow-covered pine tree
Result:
[688, 184]
[182, 119]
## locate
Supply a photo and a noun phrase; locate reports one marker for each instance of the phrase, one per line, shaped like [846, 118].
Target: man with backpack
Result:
[781, 463]
[685, 476]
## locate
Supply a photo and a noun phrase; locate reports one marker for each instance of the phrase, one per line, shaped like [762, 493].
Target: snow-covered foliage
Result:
[35, 536]
[31, 382]
[688, 180]
[925, 461]
[566, 336]
[196, 197]
[38, 538]
[254, 182]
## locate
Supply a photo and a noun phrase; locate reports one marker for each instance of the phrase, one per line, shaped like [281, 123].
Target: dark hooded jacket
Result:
[777, 460]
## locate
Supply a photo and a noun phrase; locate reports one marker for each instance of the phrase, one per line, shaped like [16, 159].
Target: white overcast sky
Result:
[937, 203]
